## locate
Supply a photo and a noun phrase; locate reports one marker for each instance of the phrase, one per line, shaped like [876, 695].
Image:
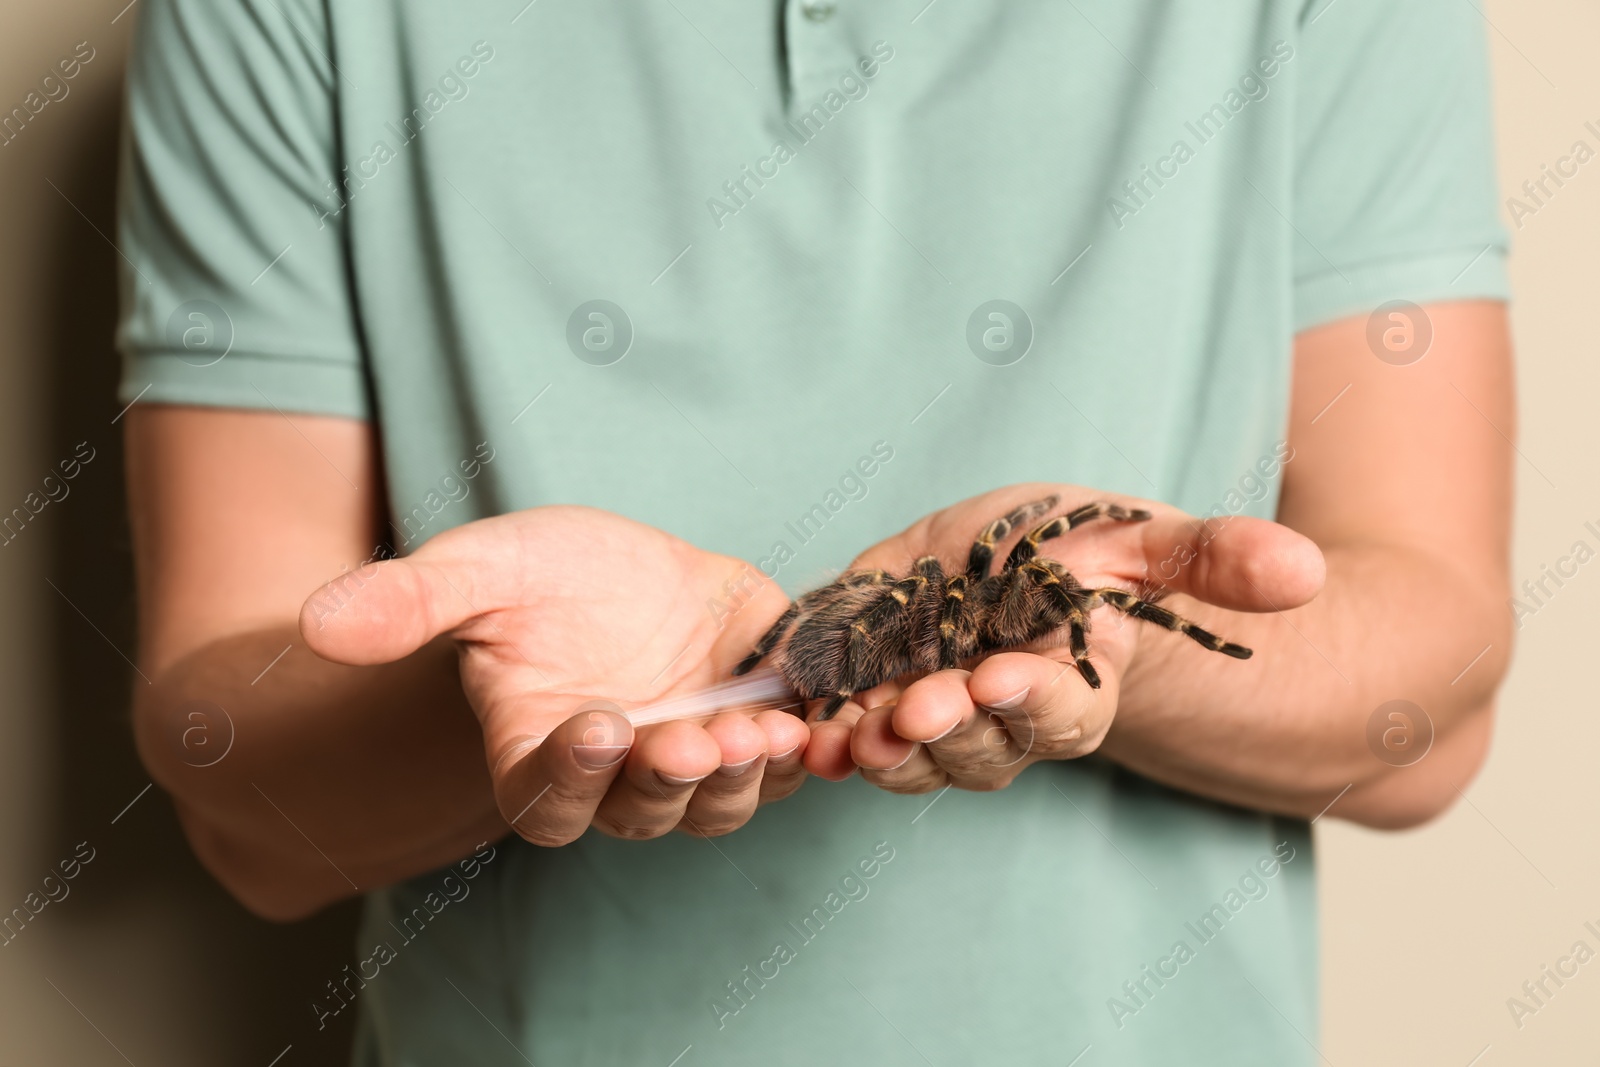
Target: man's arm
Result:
[1402, 477]
[345, 776]
[338, 777]
[1405, 484]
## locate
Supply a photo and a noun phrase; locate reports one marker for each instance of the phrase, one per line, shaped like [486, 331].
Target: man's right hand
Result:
[558, 611]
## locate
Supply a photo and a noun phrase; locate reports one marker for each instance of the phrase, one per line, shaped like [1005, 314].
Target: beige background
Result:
[1425, 934]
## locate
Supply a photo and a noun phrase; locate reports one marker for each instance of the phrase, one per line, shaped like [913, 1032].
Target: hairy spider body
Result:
[870, 626]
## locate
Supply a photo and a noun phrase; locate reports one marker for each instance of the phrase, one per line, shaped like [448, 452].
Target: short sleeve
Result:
[235, 282]
[1395, 193]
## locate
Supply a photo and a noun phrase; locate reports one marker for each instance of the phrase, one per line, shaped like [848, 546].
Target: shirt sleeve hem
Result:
[244, 380]
[1466, 273]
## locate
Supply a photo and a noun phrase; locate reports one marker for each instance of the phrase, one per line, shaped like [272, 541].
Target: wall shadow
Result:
[259, 977]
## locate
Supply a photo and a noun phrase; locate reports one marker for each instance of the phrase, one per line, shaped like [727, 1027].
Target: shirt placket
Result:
[819, 49]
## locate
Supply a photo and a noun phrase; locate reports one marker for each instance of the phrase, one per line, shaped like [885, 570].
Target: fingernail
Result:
[779, 757]
[679, 782]
[944, 735]
[912, 751]
[520, 747]
[733, 770]
[599, 757]
[1011, 703]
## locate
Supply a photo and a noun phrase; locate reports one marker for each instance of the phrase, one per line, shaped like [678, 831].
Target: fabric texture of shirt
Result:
[707, 263]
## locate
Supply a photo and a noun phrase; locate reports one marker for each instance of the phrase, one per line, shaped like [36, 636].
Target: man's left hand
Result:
[978, 729]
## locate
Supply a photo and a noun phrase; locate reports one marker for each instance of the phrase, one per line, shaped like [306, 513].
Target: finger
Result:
[785, 770]
[977, 750]
[828, 755]
[728, 797]
[549, 789]
[875, 741]
[828, 752]
[1241, 563]
[1045, 706]
[874, 745]
[381, 612]
[932, 707]
[662, 770]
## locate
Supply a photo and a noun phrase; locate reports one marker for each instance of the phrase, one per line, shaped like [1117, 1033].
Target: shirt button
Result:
[818, 10]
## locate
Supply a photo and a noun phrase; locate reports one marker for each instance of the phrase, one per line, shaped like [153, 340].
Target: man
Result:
[610, 319]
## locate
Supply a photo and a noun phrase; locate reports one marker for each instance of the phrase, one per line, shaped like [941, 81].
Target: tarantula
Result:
[870, 626]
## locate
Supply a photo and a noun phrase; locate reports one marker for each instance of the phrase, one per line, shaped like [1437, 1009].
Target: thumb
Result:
[382, 612]
[1239, 563]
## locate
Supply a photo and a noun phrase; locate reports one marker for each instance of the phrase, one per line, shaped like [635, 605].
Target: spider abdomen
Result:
[865, 630]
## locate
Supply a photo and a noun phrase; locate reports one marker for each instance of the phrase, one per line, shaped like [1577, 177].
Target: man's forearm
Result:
[1289, 732]
[334, 780]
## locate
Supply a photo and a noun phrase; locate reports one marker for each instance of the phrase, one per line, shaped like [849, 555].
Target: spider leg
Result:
[923, 613]
[1072, 601]
[1131, 605]
[958, 628]
[945, 624]
[983, 548]
[1062, 523]
[853, 673]
[792, 612]
[770, 638]
[1080, 653]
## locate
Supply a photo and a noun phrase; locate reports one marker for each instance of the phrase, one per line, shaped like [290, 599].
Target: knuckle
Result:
[527, 802]
[1085, 746]
[552, 819]
[983, 783]
[548, 836]
[968, 763]
[1058, 748]
[719, 826]
[784, 782]
[904, 785]
[778, 790]
[628, 829]
[1049, 736]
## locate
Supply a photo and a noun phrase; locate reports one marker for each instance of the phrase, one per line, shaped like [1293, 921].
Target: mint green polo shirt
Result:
[781, 278]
